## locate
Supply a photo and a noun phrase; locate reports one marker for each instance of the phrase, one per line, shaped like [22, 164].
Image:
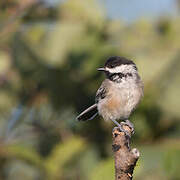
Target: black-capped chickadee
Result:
[119, 93]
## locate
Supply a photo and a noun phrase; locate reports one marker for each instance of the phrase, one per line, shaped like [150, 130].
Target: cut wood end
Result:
[135, 152]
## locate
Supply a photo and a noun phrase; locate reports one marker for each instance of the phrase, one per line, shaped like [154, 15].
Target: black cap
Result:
[117, 61]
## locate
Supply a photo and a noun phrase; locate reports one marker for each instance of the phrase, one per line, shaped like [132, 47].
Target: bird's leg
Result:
[120, 127]
[115, 122]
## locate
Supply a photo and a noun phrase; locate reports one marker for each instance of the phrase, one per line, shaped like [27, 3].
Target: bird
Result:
[118, 95]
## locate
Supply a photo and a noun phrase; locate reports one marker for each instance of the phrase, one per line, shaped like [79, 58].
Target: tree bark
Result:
[125, 158]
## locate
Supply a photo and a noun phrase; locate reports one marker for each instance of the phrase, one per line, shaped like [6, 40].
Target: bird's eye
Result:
[135, 68]
[111, 66]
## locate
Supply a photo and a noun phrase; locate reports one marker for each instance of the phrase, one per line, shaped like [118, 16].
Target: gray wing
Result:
[101, 93]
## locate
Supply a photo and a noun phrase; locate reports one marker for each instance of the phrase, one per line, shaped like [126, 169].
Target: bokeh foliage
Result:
[48, 61]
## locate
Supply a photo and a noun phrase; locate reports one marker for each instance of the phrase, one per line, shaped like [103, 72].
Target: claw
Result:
[121, 129]
[118, 128]
[127, 133]
[129, 124]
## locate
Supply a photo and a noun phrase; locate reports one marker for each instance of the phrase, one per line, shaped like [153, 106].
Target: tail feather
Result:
[88, 114]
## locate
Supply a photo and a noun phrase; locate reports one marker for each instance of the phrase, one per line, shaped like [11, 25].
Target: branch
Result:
[125, 158]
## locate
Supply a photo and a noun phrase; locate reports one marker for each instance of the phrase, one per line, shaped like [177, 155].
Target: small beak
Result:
[101, 69]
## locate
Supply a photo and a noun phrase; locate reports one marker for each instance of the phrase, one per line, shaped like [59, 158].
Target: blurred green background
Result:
[49, 53]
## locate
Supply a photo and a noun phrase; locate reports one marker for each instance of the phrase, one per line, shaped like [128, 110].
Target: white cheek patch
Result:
[122, 69]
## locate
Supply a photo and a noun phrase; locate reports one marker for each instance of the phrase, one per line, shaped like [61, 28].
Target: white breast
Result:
[122, 98]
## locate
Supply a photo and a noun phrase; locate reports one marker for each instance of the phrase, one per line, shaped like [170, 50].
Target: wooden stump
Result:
[125, 158]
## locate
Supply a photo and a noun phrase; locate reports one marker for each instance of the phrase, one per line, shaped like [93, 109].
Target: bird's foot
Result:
[129, 124]
[120, 128]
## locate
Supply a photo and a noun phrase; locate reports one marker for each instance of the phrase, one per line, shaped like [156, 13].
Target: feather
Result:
[88, 114]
